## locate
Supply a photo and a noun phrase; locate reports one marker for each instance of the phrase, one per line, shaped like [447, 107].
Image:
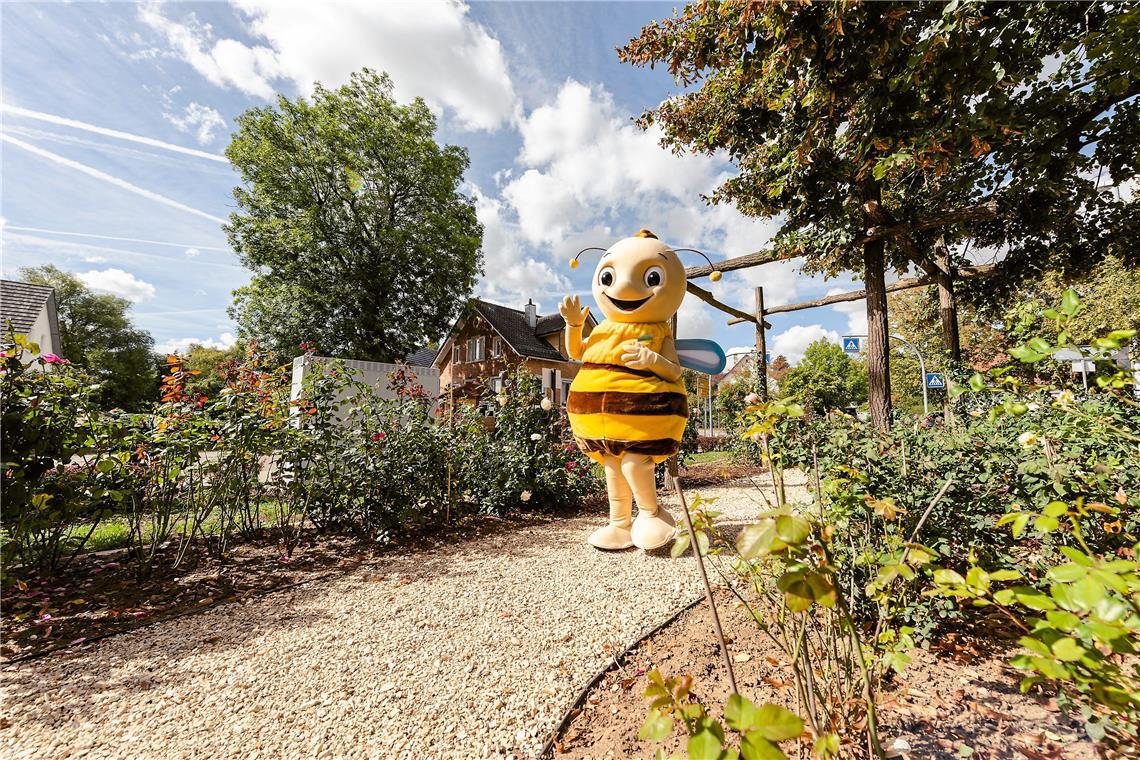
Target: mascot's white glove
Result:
[638, 356]
[573, 312]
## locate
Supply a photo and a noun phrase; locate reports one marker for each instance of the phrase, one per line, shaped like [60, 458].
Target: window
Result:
[455, 354]
[497, 347]
[477, 349]
[496, 385]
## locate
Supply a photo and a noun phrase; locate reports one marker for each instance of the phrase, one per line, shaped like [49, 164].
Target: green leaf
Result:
[1086, 592]
[741, 714]
[1056, 508]
[758, 539]
[946, 577]
[1070, 302]
[1068, 573]
[680, 546]
[706, 744]
[657, 726]
[792, 530]
[755, 747]
[778, 724]
[1067, 649]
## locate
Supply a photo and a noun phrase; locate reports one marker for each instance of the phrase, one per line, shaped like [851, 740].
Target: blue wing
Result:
[701, 355]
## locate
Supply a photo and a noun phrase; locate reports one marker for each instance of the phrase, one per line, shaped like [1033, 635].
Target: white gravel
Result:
[472, 651]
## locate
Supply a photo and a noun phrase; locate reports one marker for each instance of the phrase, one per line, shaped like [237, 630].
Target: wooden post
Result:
[761, 346]
[947, 304]
[878, 345]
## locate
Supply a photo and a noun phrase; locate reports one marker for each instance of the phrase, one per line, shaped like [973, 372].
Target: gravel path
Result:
[470, 651]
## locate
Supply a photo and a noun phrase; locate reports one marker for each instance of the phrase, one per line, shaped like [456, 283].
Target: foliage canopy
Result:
[351, 217]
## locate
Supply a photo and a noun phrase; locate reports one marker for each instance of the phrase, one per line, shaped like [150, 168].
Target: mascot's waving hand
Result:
[627, 404]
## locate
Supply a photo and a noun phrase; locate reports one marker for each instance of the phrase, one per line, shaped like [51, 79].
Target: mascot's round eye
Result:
[654, 276]
[606, 276]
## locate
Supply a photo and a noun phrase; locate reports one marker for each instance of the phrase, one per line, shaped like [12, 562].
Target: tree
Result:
[351, 218]
[97, 334]
[826, 378]
[779, 368]
[864, 123]
[212, 365]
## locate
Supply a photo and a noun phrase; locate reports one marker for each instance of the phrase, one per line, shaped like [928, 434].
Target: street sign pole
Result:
[853, 343]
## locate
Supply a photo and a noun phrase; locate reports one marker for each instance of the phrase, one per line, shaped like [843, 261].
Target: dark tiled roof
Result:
[512, 325]
[549, 324]
[422, 357]
[22, 302]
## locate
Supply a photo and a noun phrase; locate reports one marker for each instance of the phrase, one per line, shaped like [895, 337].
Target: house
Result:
[31, 309]
[488, 340]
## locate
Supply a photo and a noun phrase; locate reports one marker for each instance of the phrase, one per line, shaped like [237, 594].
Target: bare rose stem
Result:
[674, 474]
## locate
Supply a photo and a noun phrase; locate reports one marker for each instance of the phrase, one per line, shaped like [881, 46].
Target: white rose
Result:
[546, 404]
[502, 399]
[1028, 439]
[536, 436]
[525, 495]
[1066, 398]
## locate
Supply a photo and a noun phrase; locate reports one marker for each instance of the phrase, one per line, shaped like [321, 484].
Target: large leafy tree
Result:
[97, 333]
[351, 218]
[826, 378]
[886, 132]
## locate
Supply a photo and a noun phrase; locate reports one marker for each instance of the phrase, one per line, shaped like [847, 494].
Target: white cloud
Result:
[794, 341]
[433, 50]
[191, 253]
[855, 311]
[181, 345]
[584, 163]
[202, 121]
[695, 319]
[511, 277]
[118, 283]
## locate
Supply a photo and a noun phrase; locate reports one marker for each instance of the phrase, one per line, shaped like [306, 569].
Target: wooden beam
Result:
[707, 297]
[976, 213]
[855, 295]
[740, 262]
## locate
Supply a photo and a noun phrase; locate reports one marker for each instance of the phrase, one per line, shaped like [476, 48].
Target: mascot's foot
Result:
[611, 537]
[653, 531]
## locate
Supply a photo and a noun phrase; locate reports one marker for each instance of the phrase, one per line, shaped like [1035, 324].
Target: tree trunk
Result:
[878, 337]
[761, 346]
[947, 306]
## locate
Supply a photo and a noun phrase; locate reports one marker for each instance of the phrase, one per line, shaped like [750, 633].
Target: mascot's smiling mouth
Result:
[627, 305]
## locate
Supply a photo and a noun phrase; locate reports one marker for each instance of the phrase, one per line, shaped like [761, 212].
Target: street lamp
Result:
[921, 368]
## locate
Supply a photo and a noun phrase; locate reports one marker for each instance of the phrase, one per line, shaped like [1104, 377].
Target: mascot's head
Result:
[639, 279]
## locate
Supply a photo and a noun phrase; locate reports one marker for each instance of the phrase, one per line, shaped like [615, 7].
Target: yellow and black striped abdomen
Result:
[615, 409]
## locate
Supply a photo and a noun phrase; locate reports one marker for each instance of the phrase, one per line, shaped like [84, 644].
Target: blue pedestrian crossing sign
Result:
[851, 345]
[935, 380]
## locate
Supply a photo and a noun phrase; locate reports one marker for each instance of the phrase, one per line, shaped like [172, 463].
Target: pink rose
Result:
[53, 359]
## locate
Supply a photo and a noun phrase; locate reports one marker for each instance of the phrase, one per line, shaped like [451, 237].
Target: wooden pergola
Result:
[937, 271]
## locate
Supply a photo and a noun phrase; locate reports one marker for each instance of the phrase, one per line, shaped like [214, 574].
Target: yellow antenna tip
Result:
[715, 276]
[573, 263]
[644, 233]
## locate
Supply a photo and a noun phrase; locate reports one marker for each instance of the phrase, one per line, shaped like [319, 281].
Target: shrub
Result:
[57, 469]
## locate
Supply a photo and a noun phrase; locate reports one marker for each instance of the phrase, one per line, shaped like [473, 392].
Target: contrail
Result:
[115, 254]
[115, 237]
[92, 172]
[61, 121]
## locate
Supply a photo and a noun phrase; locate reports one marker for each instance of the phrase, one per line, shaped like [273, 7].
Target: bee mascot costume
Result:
[627, 404]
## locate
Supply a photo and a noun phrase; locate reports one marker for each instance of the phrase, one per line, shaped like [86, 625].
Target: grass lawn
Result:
[709, 456]
[115, 532]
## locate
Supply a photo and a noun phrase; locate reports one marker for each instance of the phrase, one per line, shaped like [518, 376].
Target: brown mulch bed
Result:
[958, 699]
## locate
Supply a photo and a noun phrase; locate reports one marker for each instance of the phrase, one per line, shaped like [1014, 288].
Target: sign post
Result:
[852, 344]
[936, 380]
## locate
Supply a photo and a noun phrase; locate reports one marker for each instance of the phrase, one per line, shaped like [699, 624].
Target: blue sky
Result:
[115, 116]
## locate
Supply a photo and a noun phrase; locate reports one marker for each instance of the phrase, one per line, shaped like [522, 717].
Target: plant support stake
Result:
[674, 473]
